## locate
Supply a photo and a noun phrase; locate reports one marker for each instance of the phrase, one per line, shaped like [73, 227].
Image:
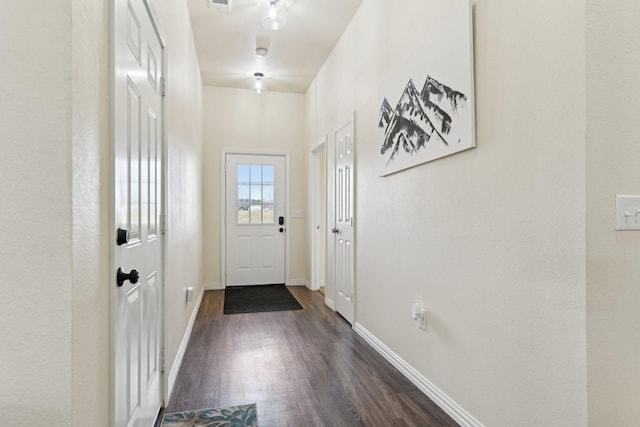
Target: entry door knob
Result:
[122, 277]
[335, 230]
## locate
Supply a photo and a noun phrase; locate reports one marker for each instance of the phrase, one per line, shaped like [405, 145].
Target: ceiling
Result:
[226, 42]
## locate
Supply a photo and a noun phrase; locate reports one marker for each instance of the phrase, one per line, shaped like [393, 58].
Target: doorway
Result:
[318, 162]
[138, 243]
[255, 220]
[343, 229]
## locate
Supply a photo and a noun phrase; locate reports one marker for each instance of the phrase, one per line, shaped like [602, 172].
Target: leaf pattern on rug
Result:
[235, 416]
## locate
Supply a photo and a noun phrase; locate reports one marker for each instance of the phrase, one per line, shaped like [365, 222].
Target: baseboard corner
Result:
[330, 303]
[297, 282]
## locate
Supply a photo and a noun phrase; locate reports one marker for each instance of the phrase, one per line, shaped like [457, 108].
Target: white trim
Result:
[177, 363]
[297, 282]
[313, 191]
[214, 287]
[447, 404]
[329, 303]
[223, 202]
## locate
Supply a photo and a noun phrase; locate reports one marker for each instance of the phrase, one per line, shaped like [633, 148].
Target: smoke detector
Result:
[220, 4]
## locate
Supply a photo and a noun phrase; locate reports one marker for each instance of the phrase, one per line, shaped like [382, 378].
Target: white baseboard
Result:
[297, 282]
[177, 363]
[329, 303]
[454, 410]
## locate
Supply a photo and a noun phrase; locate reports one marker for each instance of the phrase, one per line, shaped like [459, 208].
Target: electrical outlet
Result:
[627, 212]
[416, 308]
[422, 320]
[189, 292]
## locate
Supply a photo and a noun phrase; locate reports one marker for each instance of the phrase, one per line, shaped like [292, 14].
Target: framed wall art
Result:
[427, 101]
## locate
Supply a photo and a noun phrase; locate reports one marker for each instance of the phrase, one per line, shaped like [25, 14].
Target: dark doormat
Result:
[255, 299]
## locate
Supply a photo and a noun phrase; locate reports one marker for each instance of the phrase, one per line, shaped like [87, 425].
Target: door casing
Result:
[315, 212]
[223, 205]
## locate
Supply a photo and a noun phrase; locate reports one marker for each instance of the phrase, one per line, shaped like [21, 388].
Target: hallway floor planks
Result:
[302, 368]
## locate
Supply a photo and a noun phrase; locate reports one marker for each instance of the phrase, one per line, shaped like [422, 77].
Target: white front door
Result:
[138, 147]
[255, 219]
[343, 230]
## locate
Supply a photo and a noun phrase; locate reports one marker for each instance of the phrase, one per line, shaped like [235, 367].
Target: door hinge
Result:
[162, 360]
[163, 86]
[163, 224]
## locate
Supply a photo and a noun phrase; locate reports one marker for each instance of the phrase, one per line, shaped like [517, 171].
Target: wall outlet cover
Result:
[422, 320]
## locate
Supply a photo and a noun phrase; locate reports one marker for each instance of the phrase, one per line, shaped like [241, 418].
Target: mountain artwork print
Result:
[435, 119]
[419, 117]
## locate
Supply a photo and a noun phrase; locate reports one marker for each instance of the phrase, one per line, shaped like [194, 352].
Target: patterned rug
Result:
[234, 416]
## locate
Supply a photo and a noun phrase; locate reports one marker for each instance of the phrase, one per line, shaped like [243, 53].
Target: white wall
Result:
[184, 175]
[35, 213]
[241, 119]
[613, 155]
[91, 232]
[54, 161]
[492, 240]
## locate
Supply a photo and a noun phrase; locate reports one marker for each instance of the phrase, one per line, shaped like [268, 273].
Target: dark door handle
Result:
[122, 277]
[281, 229]
[335, 230]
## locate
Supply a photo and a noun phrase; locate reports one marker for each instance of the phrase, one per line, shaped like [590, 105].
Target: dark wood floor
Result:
[302, 368]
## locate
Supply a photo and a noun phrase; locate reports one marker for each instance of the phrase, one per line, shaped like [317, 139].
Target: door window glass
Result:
[255, 194]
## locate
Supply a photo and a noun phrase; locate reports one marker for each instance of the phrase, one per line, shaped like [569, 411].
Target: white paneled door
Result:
[343, 230]
[255, 219]
[138, 147]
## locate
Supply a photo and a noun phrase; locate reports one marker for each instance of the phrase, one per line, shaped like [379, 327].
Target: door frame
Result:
[154, 17]
[315, 197]
[223, 206]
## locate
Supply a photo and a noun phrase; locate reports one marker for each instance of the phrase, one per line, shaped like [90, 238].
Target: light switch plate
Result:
[627, 212]
[296, 213]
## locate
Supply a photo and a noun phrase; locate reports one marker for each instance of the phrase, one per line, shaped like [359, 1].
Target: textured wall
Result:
[35, 212]
[613, 155]
[240, 119]
[90, 218]
[184, 173]
[54, 127]
[492, 240]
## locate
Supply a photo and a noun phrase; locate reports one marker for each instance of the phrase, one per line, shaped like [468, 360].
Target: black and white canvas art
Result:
[427, 102]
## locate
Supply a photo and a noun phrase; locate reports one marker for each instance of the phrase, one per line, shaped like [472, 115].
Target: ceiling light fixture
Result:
[259, 85]
[273, 18]
[262, 51]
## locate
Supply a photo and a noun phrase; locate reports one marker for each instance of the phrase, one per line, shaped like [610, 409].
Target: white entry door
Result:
[138, 147]
[255, 219]
[343, 230]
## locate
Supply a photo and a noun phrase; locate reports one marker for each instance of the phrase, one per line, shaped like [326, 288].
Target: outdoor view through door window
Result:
[255, 194]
